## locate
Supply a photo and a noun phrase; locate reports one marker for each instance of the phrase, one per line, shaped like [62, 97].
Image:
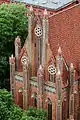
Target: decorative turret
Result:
[59, 51]
[59, 63]
[25, 63]
[30, 23]
[12, 73]
[45, 13]
[45, 36]
[71, 94]
[40, 77]
[31, 9]
[17, 51]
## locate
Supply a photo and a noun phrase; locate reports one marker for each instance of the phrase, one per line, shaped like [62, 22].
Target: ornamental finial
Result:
[40, 70]
[12, 56]
[12, 59]
[71, 66]
[45, 12]
[17, 40]
[59, 50]
[31, 9]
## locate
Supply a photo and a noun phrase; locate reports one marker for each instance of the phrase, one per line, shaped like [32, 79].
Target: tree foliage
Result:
[10, 111]
[39, 114]
[13, 23]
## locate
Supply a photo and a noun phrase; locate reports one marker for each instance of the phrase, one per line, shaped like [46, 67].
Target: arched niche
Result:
[20, 97]
[34, 97]
[49, 109]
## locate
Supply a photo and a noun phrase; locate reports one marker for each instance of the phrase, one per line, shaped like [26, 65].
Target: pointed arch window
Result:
[49, 109]
[52, 78]
[34, 96]
[20, 97]
[38, 45]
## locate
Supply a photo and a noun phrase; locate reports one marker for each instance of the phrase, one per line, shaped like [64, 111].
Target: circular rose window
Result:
[51, 69]
[25, 60]
[38, 31]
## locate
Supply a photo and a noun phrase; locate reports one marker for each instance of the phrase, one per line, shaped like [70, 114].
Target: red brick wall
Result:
[64, 30]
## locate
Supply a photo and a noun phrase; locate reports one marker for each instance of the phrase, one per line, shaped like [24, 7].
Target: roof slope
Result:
[51, 4]
[64, 30]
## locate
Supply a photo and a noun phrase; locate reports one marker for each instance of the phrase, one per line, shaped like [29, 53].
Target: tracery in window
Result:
[38, 47]
[38, 30]
[52, 78]
[52, 72]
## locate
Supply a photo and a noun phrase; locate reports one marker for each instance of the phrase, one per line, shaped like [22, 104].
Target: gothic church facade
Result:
[42, 74]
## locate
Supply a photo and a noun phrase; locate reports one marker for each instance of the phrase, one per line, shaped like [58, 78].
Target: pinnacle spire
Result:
[45, 12]
[59, 50]
[31, 9]
[71, 66]
[17, 40]
[12, 56]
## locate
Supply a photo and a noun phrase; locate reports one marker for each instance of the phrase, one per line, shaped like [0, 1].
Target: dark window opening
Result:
[20, 99]
[16, 65]
[34, 96]
[38, 53]
[35, 102]
[35, 44]
[49, 111]
[52, 78]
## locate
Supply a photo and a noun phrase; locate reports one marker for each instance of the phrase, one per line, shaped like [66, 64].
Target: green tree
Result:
[36, 113]
[6, 102]
[13, 23]
[10, 111]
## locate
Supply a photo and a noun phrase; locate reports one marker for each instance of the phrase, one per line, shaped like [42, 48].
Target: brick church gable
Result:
[45, 72]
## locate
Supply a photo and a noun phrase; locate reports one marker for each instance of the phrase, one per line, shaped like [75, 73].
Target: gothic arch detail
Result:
[20, 97]
[34, 99]
[49, 112]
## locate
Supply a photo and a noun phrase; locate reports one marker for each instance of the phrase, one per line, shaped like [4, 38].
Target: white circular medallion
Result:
[38, 31]
[52, 69]
[25, 60]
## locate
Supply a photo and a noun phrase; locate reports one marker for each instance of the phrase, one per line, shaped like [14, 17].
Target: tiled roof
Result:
[51, 4]
[64, 30]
